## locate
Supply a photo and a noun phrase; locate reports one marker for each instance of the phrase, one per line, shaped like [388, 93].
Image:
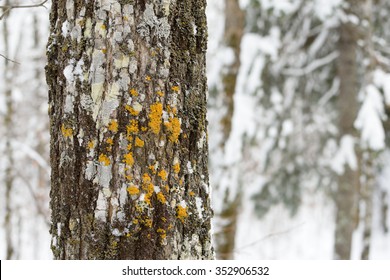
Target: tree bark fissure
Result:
[127, 97]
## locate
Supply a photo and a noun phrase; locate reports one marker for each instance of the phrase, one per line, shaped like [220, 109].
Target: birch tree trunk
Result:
[127, 103]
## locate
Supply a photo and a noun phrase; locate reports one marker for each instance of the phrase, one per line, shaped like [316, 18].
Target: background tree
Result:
[127, 101]
[24, 168]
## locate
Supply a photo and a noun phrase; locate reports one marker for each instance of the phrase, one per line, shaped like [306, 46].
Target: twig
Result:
[7, 9]
[6, 58]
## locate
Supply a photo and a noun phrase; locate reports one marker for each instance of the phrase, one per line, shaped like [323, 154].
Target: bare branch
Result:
[6, 58]
[7, 9]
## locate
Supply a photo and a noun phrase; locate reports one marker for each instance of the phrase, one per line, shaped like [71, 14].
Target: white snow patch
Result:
[199, 206]
[369, 120]
[345, 155]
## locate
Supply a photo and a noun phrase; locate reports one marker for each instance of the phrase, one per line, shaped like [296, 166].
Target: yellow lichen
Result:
[175, 88]
[161, 197]
[164, 219]
[152, 169]
[155, 117]
[133, 92]
[166, 187]
[135, 221]
[192, 193]
[129, 146]
[162, 232]
[133, 190]
[139, 143]
[176, 168]
[132, 127]
[66, 132]
[113, 126]
[173, 127]
[104, 159]
[181, 213]
[128, 159]
[146, 178]
[160, 93]
[170, 227]
[110, 141]
[91, 144]
[132, 111]
[144, 128]
[148, 222]
[104, 51]
[148, 78]
[163, 175]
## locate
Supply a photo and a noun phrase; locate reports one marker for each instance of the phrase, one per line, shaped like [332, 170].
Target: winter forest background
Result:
[298, 111]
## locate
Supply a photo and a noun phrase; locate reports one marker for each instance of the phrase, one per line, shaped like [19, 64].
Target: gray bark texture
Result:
[348, 183]
[127, 104]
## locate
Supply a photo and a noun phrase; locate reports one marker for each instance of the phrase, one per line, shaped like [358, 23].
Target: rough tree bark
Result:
[127, 103]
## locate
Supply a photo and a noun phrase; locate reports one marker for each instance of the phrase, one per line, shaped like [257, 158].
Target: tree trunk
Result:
[8, 125]
[348, 182]
[227, 217]
[127, 103]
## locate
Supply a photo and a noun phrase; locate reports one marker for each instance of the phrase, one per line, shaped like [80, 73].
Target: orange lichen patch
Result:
[148, 78]
[144, 128]
[132, 127]
[129, 146]
[181, 182]
[128, 159]
[113, 126]
[162, 232]
[104, 159]
[160, 93]
[139, 143]
[133, 92]
[91, 145]
[163, 175]
[175, 88]
[155, 117]
[161, 198]
[133, 190]
[129, 177]
[66, 132]
[192, 193]
[173, 127]
[146, 178]
[176, 168]
[152, 169]
[172, 110]
[147, 222]
[132, 111]
[166, 188]
[110, 141]
[181, 213]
